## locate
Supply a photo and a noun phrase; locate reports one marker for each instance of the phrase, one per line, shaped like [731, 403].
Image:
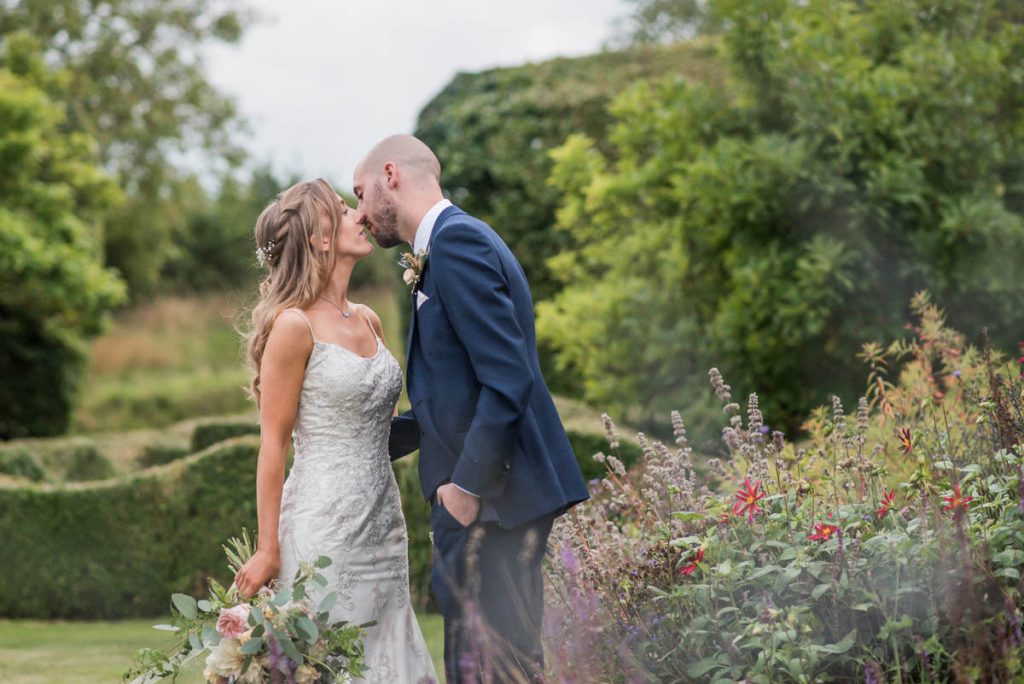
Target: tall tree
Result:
[54, 291]
[137, 86]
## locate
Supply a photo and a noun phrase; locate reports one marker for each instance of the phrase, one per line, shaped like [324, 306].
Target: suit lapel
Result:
[442, 217]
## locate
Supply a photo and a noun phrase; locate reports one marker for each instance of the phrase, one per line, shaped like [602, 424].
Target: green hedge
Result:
[119, 548]
[85, 463]
[161, 453]
[208, 434]
[20, 462]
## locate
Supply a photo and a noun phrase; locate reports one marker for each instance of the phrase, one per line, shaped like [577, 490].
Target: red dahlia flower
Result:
[823, 532]
[692, 565]
[906, 444]
[747, 500]
[887, 501]
[957, 500]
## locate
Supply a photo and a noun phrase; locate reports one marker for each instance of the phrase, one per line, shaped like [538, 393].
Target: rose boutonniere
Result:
[413, 265]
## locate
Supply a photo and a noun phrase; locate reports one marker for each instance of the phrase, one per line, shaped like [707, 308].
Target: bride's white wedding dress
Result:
[341, 500]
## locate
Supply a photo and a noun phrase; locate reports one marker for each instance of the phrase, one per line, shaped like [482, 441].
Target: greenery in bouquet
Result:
[281, 634]
[881, 547]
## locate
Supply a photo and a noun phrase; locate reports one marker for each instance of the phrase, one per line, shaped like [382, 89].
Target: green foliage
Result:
[131, 75]
[860, 152]
[21, 462]
[54, 292]
[161, 453]
[119, 548]
[85, 462]
[213, 248]
[210, 433]
[493, 130]
[852, 556]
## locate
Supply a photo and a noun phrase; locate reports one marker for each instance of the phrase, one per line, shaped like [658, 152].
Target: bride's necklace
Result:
[344, 312]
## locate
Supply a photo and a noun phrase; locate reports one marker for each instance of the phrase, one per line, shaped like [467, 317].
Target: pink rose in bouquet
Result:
[233, 622]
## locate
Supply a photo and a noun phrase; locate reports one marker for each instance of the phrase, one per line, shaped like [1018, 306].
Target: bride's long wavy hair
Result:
[297, 272]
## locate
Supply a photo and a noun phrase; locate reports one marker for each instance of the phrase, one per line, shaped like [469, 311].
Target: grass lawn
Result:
[58, 652]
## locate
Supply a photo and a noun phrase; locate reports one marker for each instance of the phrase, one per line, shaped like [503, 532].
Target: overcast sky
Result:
[322, 80]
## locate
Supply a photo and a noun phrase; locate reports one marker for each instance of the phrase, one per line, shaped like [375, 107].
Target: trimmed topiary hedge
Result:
[208, 434]
[160, 453]
[20, 462]
[85, 463]
[119, 548]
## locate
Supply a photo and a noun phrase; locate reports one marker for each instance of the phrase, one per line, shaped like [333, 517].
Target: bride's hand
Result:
[260, 569]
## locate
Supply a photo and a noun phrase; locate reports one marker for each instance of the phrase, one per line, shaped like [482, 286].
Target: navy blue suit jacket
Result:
[481, 415]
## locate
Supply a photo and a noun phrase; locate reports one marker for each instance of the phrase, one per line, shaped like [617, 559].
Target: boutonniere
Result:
[413, 265]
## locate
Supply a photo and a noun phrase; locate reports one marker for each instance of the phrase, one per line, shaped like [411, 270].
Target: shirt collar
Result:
[426, 227]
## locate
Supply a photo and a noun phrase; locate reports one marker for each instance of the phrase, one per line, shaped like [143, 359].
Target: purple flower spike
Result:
[569, 560]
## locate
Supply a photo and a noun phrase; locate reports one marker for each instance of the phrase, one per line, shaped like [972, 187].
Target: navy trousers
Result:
[489, 587]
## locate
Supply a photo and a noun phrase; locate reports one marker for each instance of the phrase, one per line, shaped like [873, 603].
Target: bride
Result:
[325, 380]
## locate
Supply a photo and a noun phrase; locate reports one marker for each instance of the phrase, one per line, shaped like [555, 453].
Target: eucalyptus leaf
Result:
[186, 605]
[252, 646]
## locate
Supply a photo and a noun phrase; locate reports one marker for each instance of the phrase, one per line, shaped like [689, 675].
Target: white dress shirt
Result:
[426, 227]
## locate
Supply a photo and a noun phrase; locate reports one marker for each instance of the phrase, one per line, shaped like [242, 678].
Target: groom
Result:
[495, 462]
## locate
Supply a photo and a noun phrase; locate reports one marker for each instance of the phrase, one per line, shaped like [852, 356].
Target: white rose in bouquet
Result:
[225, 660]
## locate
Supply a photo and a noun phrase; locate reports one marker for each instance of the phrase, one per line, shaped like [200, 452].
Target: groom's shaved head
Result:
[409, 153]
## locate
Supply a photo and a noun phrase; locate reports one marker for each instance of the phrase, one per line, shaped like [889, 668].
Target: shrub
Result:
[20, 462]
[118, 548]
[85, 462]
[208, 434]
[778, 222]
[160, 454]
[887, 547]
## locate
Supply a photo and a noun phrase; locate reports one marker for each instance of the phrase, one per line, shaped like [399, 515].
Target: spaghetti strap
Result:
[363, 308]
[308, 324]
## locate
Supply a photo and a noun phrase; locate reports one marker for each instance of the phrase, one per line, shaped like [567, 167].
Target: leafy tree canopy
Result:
[130, 75]
[858, 153]
[54, 291]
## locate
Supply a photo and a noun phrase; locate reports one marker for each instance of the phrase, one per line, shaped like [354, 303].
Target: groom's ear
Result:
[391, 175]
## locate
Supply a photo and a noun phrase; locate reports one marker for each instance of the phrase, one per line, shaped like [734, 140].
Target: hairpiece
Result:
[265, 254]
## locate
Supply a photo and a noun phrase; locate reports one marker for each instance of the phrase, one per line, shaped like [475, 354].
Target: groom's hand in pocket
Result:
[462, 505]
[257, 571]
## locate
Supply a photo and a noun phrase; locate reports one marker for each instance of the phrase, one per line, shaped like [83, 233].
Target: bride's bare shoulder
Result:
[290, 331]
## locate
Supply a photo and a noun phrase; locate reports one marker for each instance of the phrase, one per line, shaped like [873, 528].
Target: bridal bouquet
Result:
[274, 636]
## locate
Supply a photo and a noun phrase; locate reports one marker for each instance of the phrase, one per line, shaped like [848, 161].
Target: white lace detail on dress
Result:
[341, 500]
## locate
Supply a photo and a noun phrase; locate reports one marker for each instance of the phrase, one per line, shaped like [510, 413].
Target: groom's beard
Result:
[385, 220]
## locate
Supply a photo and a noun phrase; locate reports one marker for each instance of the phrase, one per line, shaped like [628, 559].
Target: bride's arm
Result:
[281, 373]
